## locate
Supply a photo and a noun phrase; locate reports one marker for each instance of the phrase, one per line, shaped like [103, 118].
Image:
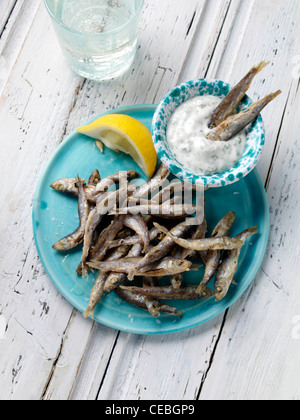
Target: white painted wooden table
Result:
[47, 350]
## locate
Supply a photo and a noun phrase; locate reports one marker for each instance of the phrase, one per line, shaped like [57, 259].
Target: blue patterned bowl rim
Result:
[189, 90]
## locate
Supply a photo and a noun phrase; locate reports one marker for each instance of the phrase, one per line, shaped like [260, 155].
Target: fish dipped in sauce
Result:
[116, 249]
[229, 104]
[233, 125]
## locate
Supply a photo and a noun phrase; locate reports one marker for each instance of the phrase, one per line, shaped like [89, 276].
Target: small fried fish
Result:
[165, 267]
[167, 292]
[164, 247]
[98, 289]
[154, 183]
[234, 125]
[145, 302]
[213, 257]
[74, 239]
[204, 244]
[138, 225]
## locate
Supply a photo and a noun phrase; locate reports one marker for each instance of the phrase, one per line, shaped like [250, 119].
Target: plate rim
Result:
[220, 309]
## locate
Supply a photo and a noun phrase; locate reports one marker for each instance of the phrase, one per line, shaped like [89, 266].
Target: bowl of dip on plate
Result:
[181, 124]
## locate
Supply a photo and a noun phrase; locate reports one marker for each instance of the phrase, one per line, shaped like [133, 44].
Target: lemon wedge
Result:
[125, 134]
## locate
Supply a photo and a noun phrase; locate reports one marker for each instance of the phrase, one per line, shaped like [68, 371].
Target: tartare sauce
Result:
[186, 135]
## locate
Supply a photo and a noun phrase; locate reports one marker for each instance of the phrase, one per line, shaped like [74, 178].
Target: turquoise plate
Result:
[55, 215]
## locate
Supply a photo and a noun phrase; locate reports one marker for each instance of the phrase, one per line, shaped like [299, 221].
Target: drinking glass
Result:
[98, 37]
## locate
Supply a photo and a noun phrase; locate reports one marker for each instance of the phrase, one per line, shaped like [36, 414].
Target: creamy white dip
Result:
[186, 135]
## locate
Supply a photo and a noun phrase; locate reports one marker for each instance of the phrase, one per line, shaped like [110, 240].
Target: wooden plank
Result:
[94, 364]
[217, 16]
[19, 17]
[36, 103]
[68, 364]
[257, 356]
[33, 121]
[158, 367]
[6, 9]
[117, 384]
[94, 99]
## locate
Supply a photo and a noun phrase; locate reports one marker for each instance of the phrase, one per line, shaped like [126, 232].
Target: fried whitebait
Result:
[116, 249]
[94, 178]
[234, 125]
[93, 221]
[138, 225]
[167, 292]
[67, 186]
[98, 289]
[73, 240]
[133, 240]
[227, 269]
[228, 106]
[153, 306]
[165, 267]
[213, 257]
[158, 179]
[199, 233]
[204, 244]
[164, 247]
[144, 302]
[108, 235]
[104, 204]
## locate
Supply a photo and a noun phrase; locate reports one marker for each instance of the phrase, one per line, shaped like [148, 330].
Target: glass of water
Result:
[98, 37]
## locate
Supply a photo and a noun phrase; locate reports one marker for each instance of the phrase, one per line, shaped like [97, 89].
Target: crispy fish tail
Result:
[94, 178]
[107, 236]
[116, 279]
